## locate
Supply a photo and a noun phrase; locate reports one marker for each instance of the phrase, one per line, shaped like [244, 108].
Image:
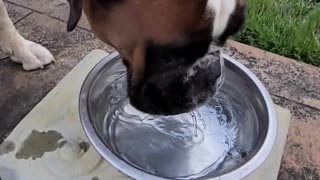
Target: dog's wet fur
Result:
[170, 47]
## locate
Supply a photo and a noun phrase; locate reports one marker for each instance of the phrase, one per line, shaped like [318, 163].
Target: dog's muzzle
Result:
[182, 90]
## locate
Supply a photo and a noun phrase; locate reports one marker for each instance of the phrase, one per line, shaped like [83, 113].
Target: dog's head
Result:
[170, 47]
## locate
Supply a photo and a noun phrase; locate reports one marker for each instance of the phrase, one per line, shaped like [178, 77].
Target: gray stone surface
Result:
[283, 77]
[54, 8]
[15, 12]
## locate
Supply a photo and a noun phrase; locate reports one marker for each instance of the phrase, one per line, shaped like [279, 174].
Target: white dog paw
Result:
[31, 55]
[32, 65]
[42, 53]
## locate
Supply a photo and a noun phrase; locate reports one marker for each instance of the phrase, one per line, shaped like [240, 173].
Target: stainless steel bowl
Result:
[144, 148]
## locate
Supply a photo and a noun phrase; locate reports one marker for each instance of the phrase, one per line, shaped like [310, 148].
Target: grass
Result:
[289, 28]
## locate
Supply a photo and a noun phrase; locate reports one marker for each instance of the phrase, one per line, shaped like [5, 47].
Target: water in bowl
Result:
[185, 146]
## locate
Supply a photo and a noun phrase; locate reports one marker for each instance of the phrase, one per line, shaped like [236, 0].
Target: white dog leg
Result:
[30, 54]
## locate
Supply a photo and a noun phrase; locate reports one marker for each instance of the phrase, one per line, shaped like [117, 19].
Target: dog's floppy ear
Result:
[75, 14]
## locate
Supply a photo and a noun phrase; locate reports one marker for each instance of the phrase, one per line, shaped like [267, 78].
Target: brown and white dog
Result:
[171, 48]
[168, 46]
[31, 55]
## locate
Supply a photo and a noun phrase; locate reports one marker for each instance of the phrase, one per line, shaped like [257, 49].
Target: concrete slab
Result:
[54, 8]
[52, 34]
[270, 168]
[15, 12]
[301, 159]
[283, 77]
[21, 89]
[58, 114]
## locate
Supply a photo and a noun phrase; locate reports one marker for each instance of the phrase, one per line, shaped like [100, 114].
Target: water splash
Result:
[213, 139]
[183, 146]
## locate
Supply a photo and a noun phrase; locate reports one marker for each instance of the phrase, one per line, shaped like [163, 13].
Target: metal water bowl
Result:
[141, 152]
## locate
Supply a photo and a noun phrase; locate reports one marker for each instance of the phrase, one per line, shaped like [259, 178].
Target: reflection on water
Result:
[184, 146]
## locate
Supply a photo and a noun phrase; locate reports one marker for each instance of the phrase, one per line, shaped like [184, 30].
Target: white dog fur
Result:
[31, 55]
[222, 10]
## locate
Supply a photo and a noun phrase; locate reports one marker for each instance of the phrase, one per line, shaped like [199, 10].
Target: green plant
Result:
[289, 28]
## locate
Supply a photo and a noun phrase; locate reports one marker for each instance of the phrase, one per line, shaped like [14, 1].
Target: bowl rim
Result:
[136, 173]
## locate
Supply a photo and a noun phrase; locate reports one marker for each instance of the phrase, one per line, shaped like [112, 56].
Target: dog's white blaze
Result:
[222, 10]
